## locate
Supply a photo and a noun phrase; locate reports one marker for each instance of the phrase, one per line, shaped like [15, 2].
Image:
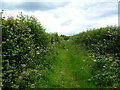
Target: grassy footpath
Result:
[70, 70]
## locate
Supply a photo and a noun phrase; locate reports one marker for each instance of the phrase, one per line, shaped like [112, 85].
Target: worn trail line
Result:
[62, 76]
[70, 69]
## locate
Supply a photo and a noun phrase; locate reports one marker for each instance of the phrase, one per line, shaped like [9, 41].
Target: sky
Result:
[67, 17]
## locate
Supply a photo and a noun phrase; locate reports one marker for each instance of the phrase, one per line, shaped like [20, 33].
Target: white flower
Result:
[23, 72]
[23, 65]
[83, 60]
[38, 47]
[20, 78]
[104, 66]
[38, 53]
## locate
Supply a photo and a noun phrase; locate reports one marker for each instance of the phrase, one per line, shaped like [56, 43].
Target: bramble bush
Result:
[104, 47]
[26, 51]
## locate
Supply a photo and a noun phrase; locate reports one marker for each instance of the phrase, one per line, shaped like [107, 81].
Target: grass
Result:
[80, 65]
[71, 69]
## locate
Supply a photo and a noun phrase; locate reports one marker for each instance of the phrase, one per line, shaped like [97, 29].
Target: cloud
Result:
[66, 23]
[32, 6]
[73, 17]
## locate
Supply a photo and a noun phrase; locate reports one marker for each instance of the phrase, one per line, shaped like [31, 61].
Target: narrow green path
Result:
[71, 69]
[62, 76]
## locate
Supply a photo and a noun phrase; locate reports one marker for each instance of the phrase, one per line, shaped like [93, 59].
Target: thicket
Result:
[27, 51]
[104, 47]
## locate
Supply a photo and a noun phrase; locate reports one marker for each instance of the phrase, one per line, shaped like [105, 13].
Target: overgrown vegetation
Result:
[71, 70]
[104, 45]
[28, 55]
[28, 51]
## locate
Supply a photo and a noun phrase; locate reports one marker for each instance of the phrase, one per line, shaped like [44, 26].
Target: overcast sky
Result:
[66, 17]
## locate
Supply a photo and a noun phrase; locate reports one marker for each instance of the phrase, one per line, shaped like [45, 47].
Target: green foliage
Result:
[65, 37]
[55, 38]
[27, 51]
[104, 46]
[101, 40]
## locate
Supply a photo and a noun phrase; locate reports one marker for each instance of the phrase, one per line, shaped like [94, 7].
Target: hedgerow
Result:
[104, 46]
[26, 51]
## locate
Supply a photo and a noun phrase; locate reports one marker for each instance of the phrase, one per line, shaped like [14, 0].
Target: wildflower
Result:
[38, 53]
[38, 47]
[23, 72]
[104, 66]
[40, 74]
[23, 65]
[94, 60]
[110, 58]
[26, 73]
[32, 85]
[20, 78]
[83, 60]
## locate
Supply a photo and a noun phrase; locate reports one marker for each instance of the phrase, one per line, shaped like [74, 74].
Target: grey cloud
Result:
[87, 6]
[32, 6]
[66, 23]
[101, 10]
[105, 14]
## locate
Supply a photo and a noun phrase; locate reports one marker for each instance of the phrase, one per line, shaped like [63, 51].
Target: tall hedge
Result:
[104, 47]
[27, 50]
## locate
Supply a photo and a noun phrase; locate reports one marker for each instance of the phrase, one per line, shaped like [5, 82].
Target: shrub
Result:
[27, 50]
[104, 45]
